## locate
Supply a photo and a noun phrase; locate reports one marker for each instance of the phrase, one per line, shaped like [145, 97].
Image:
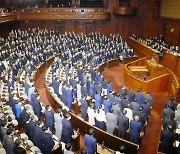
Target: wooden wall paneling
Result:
[60, 26]
[6, 28]
[79, 27]
[169, 61]
[172, 32]
[68, 26]
[177, 69]
[90, 26]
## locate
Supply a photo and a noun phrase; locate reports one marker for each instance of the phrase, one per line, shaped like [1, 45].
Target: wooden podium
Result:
[158, 78]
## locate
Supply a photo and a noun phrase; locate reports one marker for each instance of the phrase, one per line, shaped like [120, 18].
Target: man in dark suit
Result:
[125, 101]
[67, 130]
[149, 98]
[142, 117]
[171, 103]
[167, 139]
[122, 92]
[8, 142]
[98, 99]
[35, 102]
[123, 124]
[47, 141]
[18, 149]
[169, 121]
[139, 97]
[37, 134]
[84, 107]
[23, 117]
[131, 95]
[135, 129]
[146, 108]
[90, 142]
[167, 112]
[49, 117]
[134, 106]
[3, 129]
[70, 99]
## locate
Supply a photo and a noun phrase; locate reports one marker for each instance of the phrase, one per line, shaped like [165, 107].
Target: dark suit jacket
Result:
[135, 128]
[67, 130]
[90, 143]
[139, 98]
[37, 136]
[8, 144]
[167, 113]
[19, 150]
[167, 139]
[172, 104]
[23, 117]
[47, 143]
[123, 123]
[49, 116]
[131, 96]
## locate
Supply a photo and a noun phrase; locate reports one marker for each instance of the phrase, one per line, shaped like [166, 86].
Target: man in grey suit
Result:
[148, 98]
[8, 142]
[123, 124]
[111, 122]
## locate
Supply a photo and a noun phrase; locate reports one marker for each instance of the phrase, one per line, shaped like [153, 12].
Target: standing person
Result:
[68, 149]
[139, 97]
[167, 139]
[67, 130]
[84, 107]
[135, 129]
[8, 142]
[111, 122]
[58, 117]
[100, 118]
[149, 98]
[90, 142]
[70, 98]
[47, 141]
[123, 124]
[131, 95]
[49, 117]
[91, 114]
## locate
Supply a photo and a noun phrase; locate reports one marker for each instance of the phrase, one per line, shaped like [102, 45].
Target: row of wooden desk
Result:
[110, 141]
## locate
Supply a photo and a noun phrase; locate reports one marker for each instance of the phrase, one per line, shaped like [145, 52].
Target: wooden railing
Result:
[157, 84]
[174, 85]
[6, 17]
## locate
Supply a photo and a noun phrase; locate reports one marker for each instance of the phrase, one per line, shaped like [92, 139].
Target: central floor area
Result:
[150, 141]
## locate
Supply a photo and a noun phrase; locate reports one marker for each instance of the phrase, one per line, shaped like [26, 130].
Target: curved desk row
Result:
[6, 17]
[111, 141]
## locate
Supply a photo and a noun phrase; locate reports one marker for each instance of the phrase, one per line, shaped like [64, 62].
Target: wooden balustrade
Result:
[172, 62]
[159, 81]
[141, 49]
[6, 17]
[62, 14]
[124, 10]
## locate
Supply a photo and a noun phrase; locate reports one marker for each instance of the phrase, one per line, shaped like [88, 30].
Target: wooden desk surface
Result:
[103, 150]
[138, 69]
